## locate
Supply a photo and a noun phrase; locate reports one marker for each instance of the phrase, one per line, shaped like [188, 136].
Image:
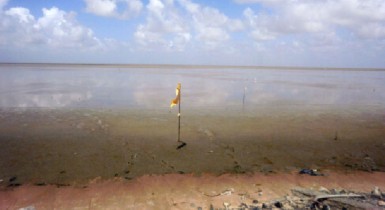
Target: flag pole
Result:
[179, 112]
[180, 96]
[174, 102]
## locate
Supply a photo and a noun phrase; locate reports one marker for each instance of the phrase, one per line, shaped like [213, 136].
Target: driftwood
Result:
[352, 203]
[306, 192]
[350, 200]
[350, 195]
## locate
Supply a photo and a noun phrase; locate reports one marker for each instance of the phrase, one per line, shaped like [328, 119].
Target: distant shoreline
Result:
[189, 66]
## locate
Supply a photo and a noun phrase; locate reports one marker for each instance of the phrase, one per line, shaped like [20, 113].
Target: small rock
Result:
[211, 207]
[40, 184]
[326, 207]
[228, 191]
[255, 201]
[368, 164]
[335, 191]
[243, 206]
[311, 172]
[381, 203]
[376, 193]
[264, 206]
[28, 208]
[12, 179]
[278, 204]
[226, 205]
[324, 190]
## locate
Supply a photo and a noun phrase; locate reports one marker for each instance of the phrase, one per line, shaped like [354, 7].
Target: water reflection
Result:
[70, 86]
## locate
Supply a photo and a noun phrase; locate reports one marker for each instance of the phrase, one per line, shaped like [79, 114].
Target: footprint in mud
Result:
[128, 169]
[230, 151]
[166, 164]
[267, 160]
[132, 159]
[207, 132]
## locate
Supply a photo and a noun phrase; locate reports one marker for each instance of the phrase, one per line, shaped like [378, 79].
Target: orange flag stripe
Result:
[175, 101]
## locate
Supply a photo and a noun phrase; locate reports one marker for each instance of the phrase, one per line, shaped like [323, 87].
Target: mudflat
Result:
[73, 137]
[57, 146]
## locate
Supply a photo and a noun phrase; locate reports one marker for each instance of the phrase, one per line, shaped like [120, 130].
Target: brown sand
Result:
[176, 191]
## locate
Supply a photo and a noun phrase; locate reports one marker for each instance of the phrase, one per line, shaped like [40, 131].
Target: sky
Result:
[318, 33]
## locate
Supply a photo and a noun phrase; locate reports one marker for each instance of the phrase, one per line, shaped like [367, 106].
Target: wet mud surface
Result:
[67, 146]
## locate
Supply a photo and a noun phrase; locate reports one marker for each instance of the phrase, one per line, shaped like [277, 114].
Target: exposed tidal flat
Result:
[67, 146]
[67, 124]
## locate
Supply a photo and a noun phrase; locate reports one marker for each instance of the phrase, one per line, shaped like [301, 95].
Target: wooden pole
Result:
[179, 111]
[180, 96]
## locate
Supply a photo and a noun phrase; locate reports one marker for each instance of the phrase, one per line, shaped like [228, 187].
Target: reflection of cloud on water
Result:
[47, 100]
[284, 94]
[149, 96]
[257, 94]
[194, 94]
[200, 88]
[208, 94]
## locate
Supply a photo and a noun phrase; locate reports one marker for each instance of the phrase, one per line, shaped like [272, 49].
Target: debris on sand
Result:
[311, 172]
[303, 198]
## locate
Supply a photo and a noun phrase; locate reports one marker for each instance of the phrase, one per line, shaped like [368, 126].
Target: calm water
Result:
[153, 88]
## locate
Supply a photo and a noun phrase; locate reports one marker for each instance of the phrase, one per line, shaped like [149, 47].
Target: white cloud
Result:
[165, 29]
[173, 25]
[210, 25]
[326, 33]
[55, 28]
[21, 14]
[114, 8]
[61, 29]
[235, 25]
[101, 7]
[363, 18]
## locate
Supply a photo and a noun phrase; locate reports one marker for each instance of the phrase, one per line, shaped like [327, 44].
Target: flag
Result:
[175, 101]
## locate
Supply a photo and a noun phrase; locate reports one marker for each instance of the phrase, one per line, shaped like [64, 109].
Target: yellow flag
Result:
[175, 101]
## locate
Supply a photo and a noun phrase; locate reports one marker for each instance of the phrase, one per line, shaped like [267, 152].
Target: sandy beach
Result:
[187, 191]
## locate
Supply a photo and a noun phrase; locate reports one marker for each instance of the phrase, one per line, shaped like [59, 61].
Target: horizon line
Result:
[189, 66]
